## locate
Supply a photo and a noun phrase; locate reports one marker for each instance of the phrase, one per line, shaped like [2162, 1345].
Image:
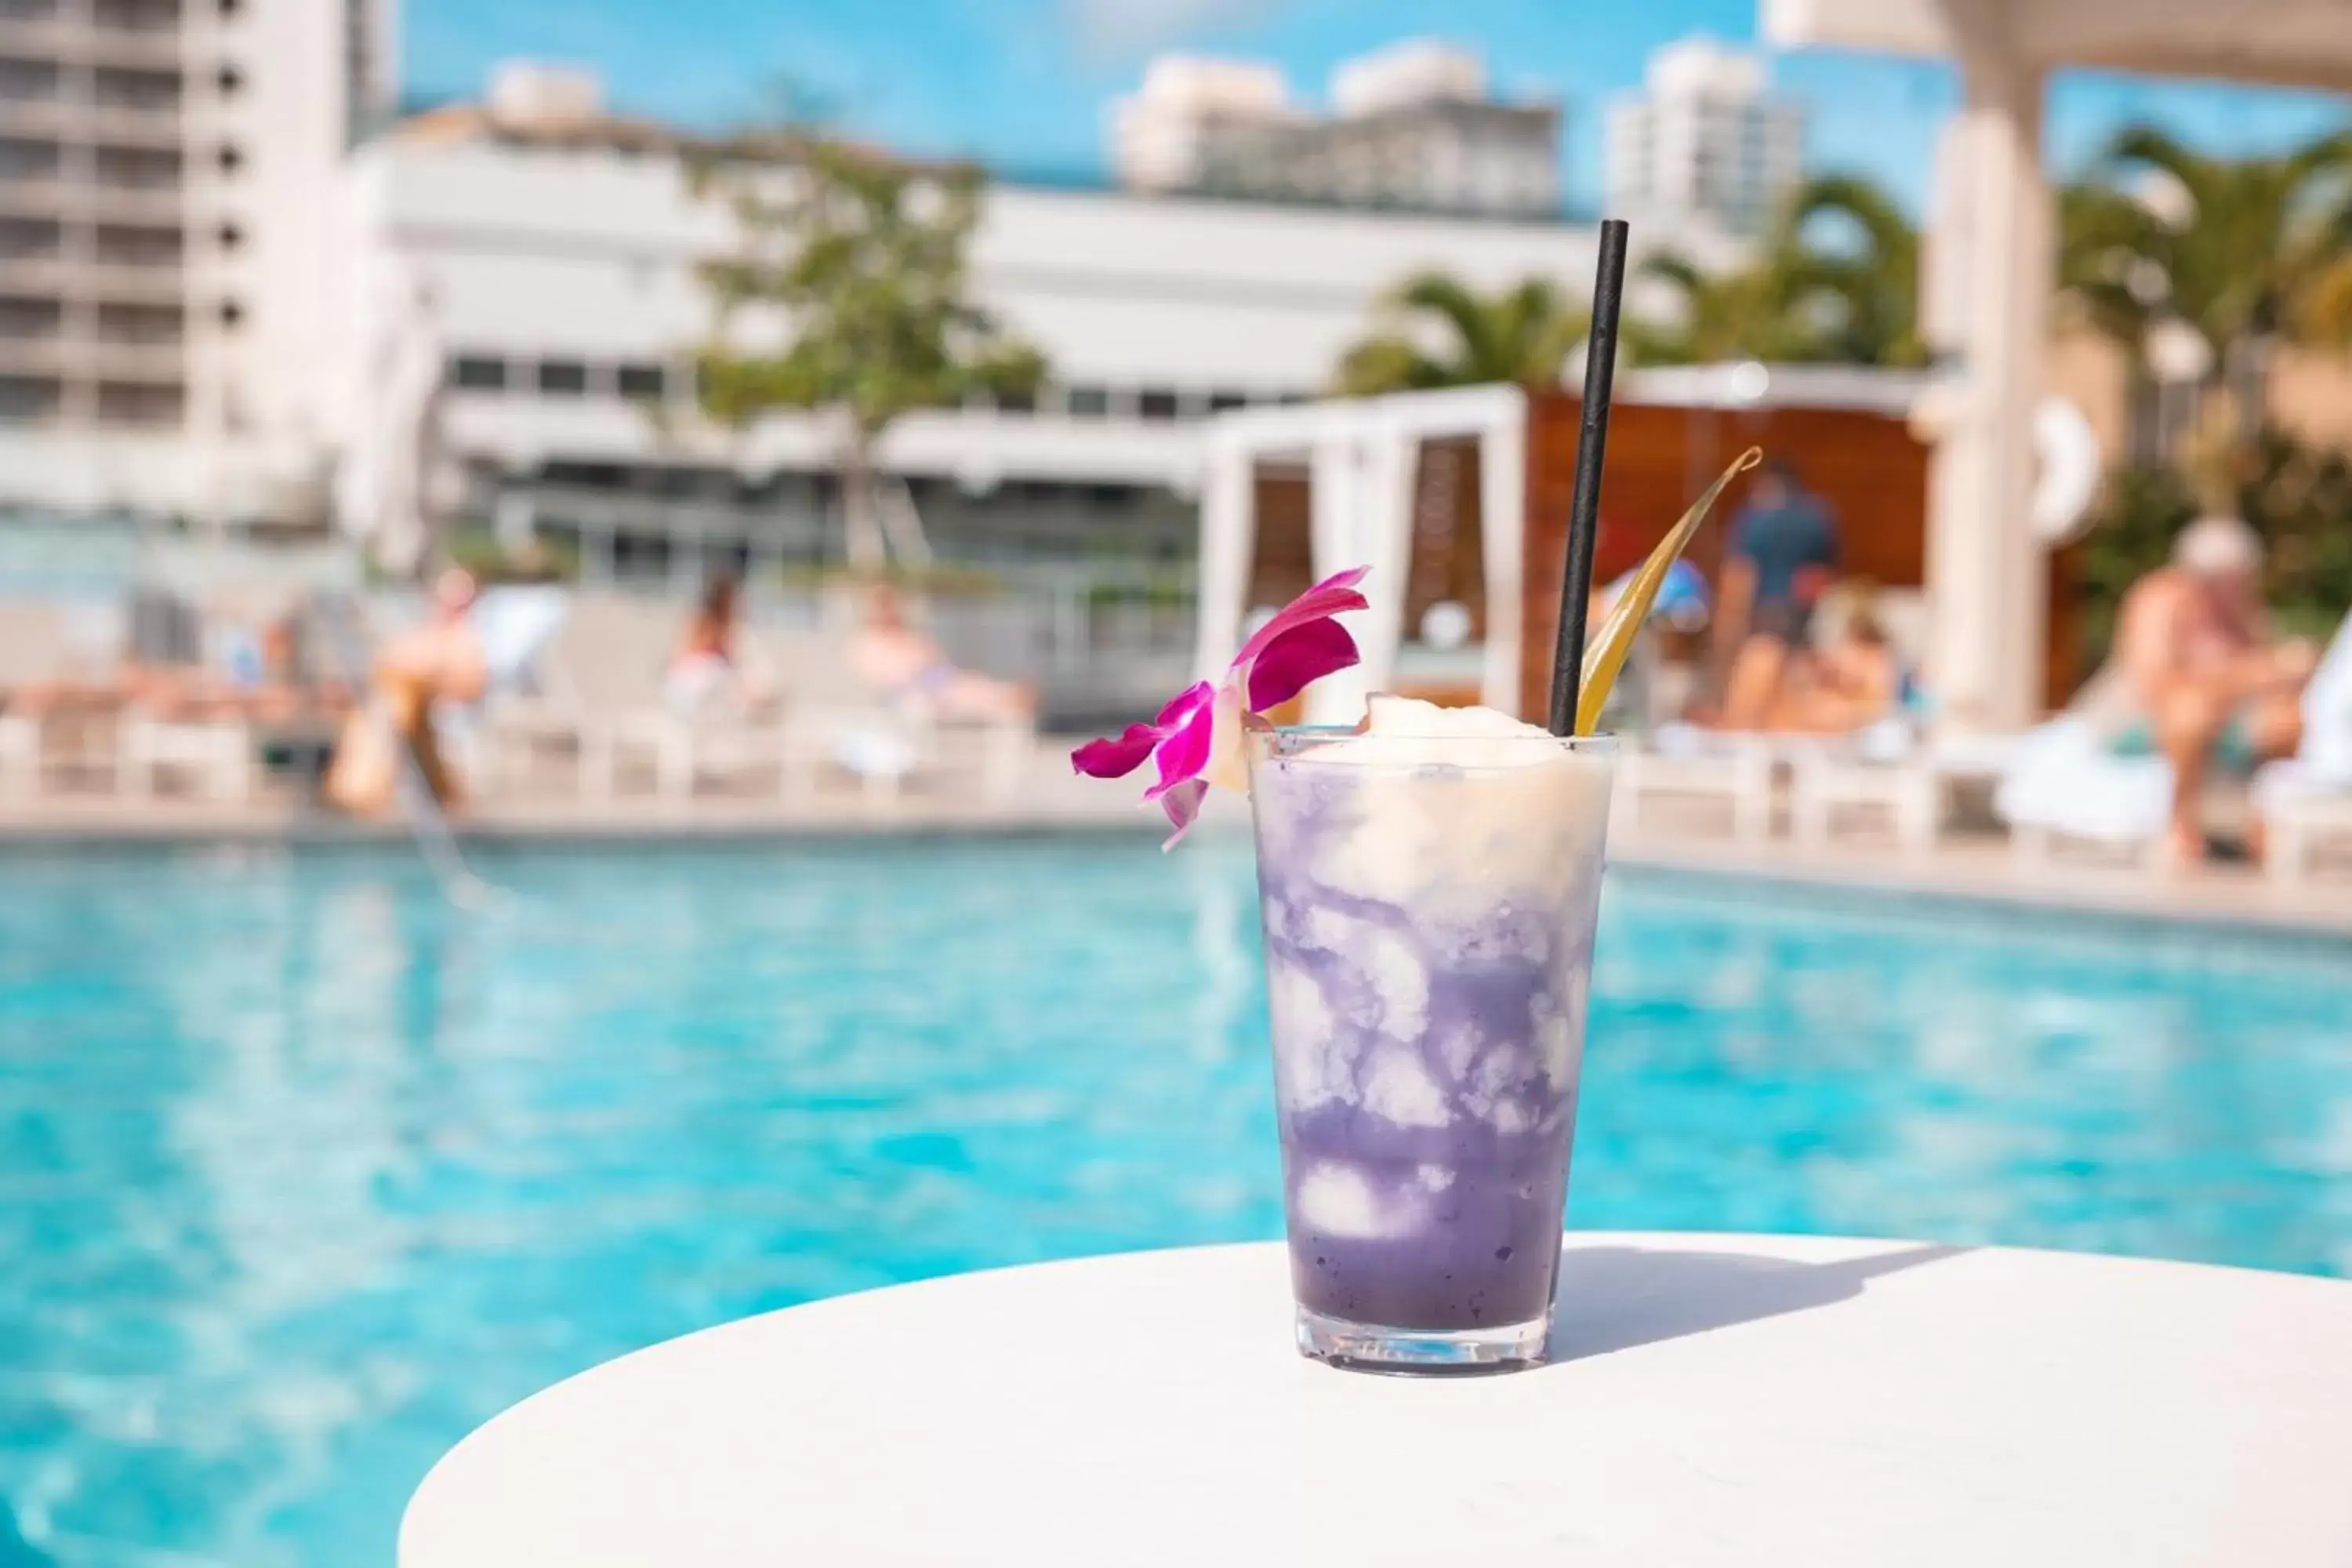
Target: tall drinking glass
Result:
[1429, 906]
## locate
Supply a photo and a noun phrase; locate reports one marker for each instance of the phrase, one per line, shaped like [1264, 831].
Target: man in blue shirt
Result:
[1784, 553]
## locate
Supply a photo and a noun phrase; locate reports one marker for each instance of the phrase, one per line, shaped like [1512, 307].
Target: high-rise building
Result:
[168, 175]
[1704, 140]
[1413, 129]
[1161, 133]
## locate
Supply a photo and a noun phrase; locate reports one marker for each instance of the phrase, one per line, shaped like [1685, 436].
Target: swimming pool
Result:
[302, 1174]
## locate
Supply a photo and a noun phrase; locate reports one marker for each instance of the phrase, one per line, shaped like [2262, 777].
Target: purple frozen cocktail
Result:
[1429, 887]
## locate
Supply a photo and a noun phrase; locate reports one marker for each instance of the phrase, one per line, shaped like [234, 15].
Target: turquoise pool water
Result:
[302, 1174]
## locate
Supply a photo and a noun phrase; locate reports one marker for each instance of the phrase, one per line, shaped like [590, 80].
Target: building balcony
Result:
[142, 283]
[129, 202]
[82, 43]
[45, 355]
[138, 360]
[136, 204]
[131, 46]
[48, 119]
[46, 196]
[45, 274]
[65, 119]
[38, 37]
[134, 124]
[40, 196]
[82, 357]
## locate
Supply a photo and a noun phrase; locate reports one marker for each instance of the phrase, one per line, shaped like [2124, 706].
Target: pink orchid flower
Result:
[1196, 740]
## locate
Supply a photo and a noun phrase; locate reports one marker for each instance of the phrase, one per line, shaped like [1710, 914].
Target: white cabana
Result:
[1360, 455]
[1991, 268]
[1359, 459]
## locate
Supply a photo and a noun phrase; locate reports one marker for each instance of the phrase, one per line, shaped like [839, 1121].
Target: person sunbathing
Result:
[901, 664]
[1853, 683]
[2200, 678]
[711, 666]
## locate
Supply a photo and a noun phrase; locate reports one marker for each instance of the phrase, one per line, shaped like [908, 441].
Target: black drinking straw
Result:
[1584, 506]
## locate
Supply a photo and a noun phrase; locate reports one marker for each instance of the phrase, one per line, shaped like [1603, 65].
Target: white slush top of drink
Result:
[1415, 733]
[1446, 811]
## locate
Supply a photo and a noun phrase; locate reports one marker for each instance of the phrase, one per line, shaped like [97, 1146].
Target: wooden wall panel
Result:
[1868, 467]
[1282, 555]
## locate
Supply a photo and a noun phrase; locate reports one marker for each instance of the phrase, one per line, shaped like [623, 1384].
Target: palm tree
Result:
[2326, 316]
[1872, 281]
[1747, 313]
[1437, 331]
[1835, 279]
[2243, 252]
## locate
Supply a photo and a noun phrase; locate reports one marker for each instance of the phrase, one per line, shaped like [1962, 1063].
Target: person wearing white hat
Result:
[2206, 683]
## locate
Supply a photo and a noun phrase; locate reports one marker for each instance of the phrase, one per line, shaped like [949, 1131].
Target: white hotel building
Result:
[169, 179]
[547, 254]
[1707, 136]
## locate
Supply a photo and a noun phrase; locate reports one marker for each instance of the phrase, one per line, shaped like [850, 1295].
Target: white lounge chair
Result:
[32, 649]
[215, 756]
[615, 652]
[1737, 770]
[832, 723]
[2306, 802]
[1743, 768]
[887, 743]
[516, 624]
[598, 699]
[2065, 786]
[1890, 771]
[20, 754]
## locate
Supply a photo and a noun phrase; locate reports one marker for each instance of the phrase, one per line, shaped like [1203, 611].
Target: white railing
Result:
[1101, 640]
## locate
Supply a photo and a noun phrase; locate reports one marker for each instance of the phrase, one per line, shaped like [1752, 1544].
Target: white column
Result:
[1502, 526]
[1986, 573]
[1333, 507]
[1384, 543]
[1228, 541]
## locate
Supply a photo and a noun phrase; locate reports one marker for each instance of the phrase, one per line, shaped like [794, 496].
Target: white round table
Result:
[1720, 1399]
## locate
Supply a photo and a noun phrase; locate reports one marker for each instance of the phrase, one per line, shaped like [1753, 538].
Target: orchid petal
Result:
[1197, 739]
[1182, 705]
[1121, 755]
[1182, 805]
[1305, 653]
[1333, 595]
[1185, 752]
[1118, 757]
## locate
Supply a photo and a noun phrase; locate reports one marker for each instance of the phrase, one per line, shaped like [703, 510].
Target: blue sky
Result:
[1025, 84]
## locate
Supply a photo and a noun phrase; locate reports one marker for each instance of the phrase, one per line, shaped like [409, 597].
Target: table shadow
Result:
[1619, 1297]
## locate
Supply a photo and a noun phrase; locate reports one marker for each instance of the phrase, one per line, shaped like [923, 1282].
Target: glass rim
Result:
[1266, 737]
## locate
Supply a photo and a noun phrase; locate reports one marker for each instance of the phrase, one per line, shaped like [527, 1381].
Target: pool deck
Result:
[1977, 867]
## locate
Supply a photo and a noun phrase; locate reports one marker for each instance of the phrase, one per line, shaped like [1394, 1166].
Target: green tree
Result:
[1835, 279]
[1867, 275]
[1436, 332]
[2247, 253]
[1745, 313]
[854, 265]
